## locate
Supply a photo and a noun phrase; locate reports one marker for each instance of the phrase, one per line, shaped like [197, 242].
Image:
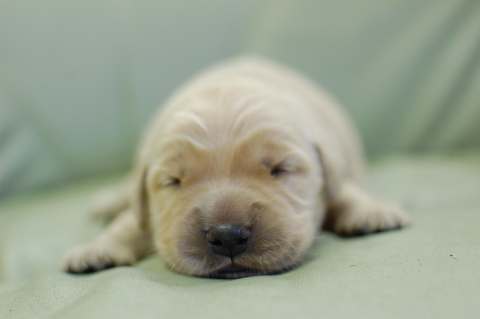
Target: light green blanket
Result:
[430, 270]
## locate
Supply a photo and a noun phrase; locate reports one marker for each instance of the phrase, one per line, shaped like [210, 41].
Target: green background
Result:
[79, 80]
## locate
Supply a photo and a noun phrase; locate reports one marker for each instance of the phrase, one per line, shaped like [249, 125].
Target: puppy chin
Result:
[230, 269]
[234, 271]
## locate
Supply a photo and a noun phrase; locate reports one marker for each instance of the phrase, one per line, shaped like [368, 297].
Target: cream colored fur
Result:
[247, 142]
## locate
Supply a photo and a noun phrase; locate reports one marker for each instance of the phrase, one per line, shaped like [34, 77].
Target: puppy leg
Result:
[356, 212]
[110, 202]
[123, 242]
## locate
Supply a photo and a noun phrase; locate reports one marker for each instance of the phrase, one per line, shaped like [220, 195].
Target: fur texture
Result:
[246, 143]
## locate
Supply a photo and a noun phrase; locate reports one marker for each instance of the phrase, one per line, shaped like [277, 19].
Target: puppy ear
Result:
[332, 175]
[140, 204]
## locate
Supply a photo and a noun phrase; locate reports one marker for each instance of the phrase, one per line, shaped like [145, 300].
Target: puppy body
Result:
[247, 149]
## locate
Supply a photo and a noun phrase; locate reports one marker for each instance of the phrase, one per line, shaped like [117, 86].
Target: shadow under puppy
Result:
[235, 176]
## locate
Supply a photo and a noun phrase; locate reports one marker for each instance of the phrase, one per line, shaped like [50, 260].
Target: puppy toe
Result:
[93, 258]
[95, 264]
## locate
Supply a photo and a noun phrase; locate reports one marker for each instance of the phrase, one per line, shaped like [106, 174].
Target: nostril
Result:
[216, 243]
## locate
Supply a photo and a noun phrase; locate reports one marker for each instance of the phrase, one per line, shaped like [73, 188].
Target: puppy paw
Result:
[94, 257]
[369, 218]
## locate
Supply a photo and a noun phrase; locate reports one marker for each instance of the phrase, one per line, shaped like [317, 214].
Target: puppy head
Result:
[231, 195]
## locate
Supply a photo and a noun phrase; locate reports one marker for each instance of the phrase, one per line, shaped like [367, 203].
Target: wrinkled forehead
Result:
[265, 144]
[219, 119]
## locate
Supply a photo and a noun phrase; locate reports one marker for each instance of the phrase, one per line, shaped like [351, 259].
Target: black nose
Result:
[228, 240]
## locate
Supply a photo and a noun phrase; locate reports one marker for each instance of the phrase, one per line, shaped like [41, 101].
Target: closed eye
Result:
[278, 171]
[172, 181]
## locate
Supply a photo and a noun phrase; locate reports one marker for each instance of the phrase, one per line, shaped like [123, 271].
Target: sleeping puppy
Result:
[235, 176]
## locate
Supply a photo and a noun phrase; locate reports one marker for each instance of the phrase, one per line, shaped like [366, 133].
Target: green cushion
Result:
[429, 270]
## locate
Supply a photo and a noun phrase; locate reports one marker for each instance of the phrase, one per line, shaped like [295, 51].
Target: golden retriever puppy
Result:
[235, 176]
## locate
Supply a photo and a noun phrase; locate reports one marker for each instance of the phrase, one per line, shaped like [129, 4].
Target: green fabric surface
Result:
[429, 270]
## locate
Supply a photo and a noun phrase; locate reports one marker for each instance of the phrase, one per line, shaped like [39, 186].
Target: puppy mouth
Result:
[233, 271]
